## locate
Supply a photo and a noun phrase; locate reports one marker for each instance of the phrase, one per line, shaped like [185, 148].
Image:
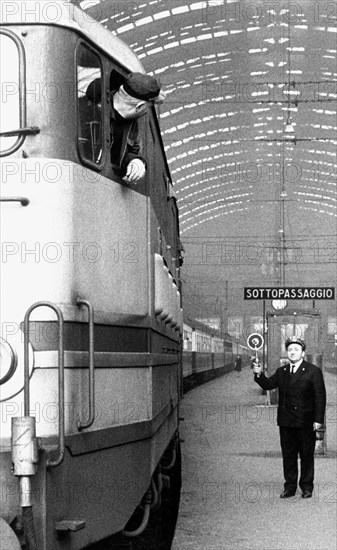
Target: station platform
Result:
[232, 473]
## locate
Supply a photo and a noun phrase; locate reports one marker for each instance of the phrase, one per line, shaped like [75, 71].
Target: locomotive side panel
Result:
[77, 257]
[86, 238]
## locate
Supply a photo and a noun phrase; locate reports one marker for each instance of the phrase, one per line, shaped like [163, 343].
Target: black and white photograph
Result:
[168, 270]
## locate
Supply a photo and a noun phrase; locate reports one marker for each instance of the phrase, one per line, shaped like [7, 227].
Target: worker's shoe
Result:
[306, 494]
[287, 493]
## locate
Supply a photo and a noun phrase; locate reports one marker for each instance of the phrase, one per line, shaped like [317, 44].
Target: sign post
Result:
[255, 342]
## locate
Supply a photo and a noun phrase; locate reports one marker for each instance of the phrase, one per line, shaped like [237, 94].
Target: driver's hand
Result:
[135, 171]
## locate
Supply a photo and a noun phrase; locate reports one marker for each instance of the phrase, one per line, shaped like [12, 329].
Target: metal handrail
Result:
[22, 92]
[58, 312]
[30, 130]
[90, 421]
[23, 200]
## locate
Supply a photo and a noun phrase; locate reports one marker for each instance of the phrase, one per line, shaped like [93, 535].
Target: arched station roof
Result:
[257, 202]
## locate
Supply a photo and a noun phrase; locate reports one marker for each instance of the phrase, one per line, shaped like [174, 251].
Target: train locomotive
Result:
[91, 314]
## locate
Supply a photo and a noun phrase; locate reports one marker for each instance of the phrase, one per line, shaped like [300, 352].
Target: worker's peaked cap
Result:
[295, 340]
[143, 87]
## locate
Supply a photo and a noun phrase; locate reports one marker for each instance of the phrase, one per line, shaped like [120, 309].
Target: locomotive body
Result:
[90, 293]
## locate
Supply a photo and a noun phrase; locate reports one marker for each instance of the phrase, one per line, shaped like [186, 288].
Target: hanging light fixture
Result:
[289, 128]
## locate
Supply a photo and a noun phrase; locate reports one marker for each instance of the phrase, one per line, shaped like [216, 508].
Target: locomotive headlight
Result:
[8, 361]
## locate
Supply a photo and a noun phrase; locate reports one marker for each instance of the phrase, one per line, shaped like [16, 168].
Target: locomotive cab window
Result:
[90, 117]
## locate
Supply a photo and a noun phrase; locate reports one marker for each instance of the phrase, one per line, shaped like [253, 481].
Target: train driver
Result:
[131, 100]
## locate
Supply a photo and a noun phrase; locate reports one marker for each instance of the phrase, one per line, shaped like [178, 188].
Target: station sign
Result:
[293, 292]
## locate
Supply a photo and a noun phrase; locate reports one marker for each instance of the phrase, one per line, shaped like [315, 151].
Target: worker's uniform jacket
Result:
[125, 142]
[302, 395]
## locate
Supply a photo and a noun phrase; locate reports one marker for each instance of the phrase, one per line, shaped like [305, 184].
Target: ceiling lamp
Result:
[289, 128]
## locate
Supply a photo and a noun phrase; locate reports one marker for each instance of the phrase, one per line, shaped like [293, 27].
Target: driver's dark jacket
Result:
[125, 143]
[302, 395]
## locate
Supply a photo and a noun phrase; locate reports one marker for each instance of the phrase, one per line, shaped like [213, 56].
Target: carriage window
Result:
[11, 87]
[90, 122]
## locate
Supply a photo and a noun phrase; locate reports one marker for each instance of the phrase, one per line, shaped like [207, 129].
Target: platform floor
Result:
[232, 474]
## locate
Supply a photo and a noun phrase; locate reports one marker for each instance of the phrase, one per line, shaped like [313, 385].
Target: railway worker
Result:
[301, 409]
[131, 100]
